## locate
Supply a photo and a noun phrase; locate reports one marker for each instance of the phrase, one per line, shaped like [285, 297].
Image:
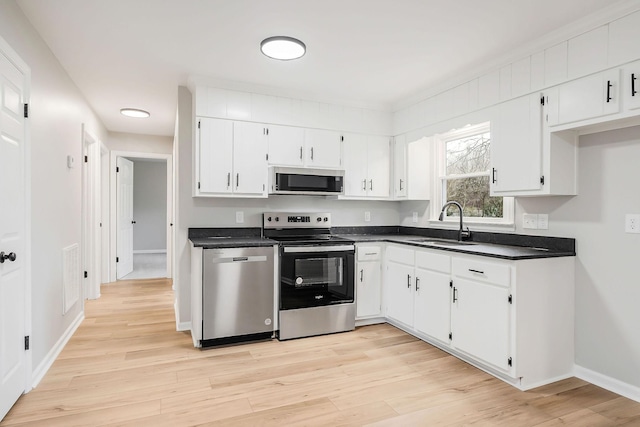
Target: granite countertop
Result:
[486, 249]
[230, 242]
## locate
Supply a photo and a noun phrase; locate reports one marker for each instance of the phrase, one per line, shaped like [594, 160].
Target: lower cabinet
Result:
[368, 281]
[513, 319]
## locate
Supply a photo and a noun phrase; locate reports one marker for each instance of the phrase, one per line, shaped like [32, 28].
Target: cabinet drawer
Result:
[429, 260]
[369, 253]
[480, 270]
[400, 255]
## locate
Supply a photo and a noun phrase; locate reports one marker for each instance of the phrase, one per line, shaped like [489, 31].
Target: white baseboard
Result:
[39, 372]
[183, 326]
[624, 389]
[150, 251]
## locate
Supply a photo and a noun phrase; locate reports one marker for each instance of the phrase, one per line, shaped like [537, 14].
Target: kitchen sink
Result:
[441, 242]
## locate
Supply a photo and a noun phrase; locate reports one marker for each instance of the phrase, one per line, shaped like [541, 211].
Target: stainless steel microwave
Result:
[319, 182]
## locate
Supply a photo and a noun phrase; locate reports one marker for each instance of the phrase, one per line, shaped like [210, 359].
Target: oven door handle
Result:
[322, 248]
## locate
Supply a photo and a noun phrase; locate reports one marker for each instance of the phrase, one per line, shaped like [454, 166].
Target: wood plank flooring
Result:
[127, 366]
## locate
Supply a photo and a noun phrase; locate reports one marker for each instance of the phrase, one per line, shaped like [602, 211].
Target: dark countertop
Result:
[230, 242]
[474, 248]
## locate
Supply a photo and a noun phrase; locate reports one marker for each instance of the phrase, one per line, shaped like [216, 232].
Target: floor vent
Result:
[70, 276]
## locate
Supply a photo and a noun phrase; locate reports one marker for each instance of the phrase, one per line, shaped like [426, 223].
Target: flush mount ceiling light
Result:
[283, 48]
[134, 112]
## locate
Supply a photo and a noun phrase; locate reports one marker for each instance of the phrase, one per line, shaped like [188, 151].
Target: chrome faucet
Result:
[462, 233]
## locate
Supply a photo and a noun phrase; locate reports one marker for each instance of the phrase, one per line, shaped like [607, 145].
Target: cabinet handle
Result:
[609, 91]
[361, 275]
[417, 283]
[476, 271]
[493, 175]
[400, 185]
[409, 281]
[228, 179]
[371, 184]
[300, 152]
[237, 180]
[455, 293]
[311, 153]
[633, 84]
[364, 184]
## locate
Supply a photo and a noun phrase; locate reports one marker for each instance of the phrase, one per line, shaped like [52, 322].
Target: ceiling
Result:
[135, 53]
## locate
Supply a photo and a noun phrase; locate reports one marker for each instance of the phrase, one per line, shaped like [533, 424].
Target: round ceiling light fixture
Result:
[283, 48]
[134, 112]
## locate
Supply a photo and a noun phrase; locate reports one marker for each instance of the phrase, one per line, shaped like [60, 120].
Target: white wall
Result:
[58, 111]
[149, 205]
[137, 143]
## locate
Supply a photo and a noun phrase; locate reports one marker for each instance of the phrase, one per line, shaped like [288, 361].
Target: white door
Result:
[324, 148]
[12, 235]
[433, 304]
[400, 282]
[400, 167]
[286, 145]
[215, 139]
[125, 217]
[355, 165]
[368, 284]
[379, 167]
[249, 159]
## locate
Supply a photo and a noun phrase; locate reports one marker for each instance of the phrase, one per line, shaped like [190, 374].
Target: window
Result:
[464, 166]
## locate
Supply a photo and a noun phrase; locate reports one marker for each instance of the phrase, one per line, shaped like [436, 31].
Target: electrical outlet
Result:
[367, 216]
[632, 223]
[415, 217]
[543, 221]
[530, 221]
[239, 217]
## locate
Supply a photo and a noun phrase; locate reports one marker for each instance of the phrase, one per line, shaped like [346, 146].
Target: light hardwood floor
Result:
[127, 366]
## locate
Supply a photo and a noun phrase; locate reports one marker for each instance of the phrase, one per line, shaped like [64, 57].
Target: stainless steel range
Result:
[316, 275]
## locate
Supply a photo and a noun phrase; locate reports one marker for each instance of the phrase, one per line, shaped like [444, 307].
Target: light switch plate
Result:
[239, 217]
[530, 221]
[632, 223]
[367, 216]
[543, 221]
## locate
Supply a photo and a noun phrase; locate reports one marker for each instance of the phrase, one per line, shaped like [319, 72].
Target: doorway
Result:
[140, 216]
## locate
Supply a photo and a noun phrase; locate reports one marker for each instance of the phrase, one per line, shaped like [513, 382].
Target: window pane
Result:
[468, 155]
[473, 195]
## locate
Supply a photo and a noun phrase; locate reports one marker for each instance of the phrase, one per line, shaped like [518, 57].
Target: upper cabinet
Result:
[323, 148]
[299, 147]
[230, 158]
[624, 34]
[286, 145]
[367, 165]
[631, 86]
[411, 171]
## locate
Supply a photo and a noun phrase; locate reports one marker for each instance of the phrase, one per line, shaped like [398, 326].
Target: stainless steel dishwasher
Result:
[237, 295]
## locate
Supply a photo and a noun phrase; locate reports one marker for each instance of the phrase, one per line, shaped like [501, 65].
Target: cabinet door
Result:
[249, 159]
[480, 321]
[516, 145]
[323, 148]
[631, 86]
[378, 166]
[368, 283]
[587, 98]
[355, 165]
[419, 169]
[215, 155]
[433, 304]
[286, 146]
[399, 283]
[400, 167]
[624, 34]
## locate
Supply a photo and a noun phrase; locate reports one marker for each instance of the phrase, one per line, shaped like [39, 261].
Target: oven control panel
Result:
[296, 220]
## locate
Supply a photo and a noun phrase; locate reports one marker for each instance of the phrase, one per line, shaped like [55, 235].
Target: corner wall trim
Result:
[624, 389]
[39, 372]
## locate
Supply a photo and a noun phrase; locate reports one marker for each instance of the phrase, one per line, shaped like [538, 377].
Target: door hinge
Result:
[341, 138]
[198, 124]
[100, 224]
[117, 259]
[510, 362]
[542, 100]
[542, 180]
[450, 336]
[117, 169]
[26, 342]
[86, 159]
[86, 274]
[510, 299]
[267, 156]
[26, 111]
[198, 185]
[451, 283]
[267, 131]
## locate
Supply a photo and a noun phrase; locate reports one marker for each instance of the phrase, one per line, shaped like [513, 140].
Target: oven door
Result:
[312, 276]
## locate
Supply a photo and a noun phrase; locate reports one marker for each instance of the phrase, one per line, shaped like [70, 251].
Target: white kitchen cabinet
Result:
[433, 294]
[411, 171]
[400, 167]
[631, 86]
[368, 281]
[367, 164]
[323, 148]
[624, 34]
[516, 146]
[586, 98]
[399, 280]
[587, 53]
[286, 145]
[555, 64]
[481, 310]
[230, 159]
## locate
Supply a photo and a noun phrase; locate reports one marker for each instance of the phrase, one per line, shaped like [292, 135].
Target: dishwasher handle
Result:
[229, 260]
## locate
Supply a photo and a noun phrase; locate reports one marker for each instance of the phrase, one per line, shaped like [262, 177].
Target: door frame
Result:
[91, 215]
[16, 60]
[113, 206]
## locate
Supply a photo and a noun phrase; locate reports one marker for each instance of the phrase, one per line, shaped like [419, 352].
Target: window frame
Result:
[439, 177]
